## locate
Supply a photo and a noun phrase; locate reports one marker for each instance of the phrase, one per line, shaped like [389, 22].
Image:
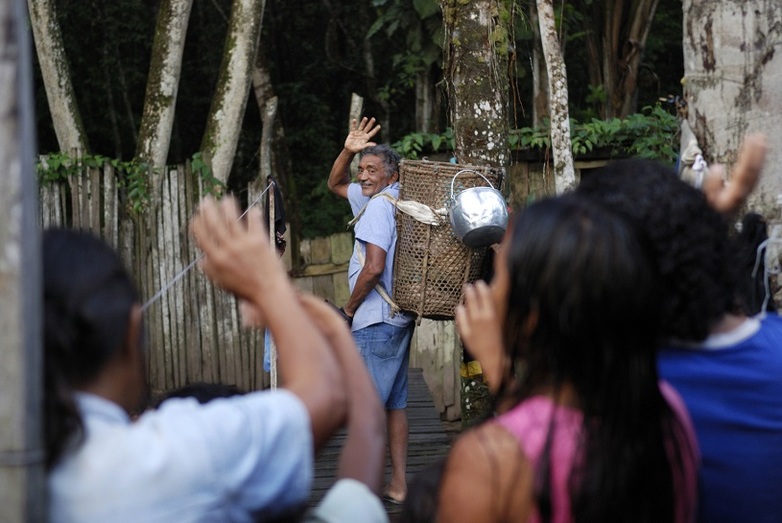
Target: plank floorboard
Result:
[428, 443]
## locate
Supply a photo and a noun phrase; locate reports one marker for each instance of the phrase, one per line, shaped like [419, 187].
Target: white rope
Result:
[184, 271]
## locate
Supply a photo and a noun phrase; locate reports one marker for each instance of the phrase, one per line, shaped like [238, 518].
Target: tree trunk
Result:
[616, 33]
[564, 172]
[57, 77]
[163, 84]
[631, 56]
[539, 75]
[263, 90]
[475, 69]
[733, 83]
[424, 102]
[226, 114]
[22, 478]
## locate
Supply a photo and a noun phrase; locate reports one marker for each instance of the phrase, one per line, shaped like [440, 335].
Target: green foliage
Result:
[652, 134]
[203, 170]
[132, 176]
[415, 145]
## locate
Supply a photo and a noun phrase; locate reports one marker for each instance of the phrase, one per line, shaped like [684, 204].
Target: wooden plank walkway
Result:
[428, 442]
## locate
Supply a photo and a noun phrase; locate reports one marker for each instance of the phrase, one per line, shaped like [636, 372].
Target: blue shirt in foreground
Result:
[732, 386]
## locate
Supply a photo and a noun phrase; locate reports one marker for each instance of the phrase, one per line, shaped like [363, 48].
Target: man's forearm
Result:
[339, 177]
[364, 284]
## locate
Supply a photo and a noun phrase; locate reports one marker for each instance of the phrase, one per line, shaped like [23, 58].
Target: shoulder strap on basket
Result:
[419, 211]
[379, 288]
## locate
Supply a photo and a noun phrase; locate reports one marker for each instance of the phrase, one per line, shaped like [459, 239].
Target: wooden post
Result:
[22, 477]
[270, 112]
[356, 106]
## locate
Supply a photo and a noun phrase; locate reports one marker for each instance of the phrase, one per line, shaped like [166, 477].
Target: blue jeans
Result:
[386, 352]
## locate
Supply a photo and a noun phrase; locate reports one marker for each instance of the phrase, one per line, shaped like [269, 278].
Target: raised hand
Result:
[728, 198]
[360, 135]
[237, 253]
[480, 329]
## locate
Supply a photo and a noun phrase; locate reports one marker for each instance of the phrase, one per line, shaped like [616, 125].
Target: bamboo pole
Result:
[269, 115]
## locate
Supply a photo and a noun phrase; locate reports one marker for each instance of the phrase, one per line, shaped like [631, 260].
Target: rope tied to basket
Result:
[395, 309]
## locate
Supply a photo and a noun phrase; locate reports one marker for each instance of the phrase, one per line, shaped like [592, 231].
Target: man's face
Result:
[372, 175]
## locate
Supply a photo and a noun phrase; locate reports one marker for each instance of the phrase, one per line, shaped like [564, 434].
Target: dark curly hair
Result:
[688, 237]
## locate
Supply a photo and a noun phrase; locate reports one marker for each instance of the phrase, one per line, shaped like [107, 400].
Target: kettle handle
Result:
[469, 171]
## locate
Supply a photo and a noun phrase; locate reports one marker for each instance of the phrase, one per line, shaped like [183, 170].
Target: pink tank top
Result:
[529, 423]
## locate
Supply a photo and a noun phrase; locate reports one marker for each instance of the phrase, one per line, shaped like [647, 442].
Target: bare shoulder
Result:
[487, 478]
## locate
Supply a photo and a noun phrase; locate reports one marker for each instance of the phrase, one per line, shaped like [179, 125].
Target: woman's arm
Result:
[239, 258]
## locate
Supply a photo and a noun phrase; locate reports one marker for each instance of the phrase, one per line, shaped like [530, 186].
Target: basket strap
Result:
[379, 288]
[421, 212]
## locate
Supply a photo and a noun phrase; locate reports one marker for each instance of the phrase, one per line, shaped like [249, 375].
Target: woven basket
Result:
[431, 264]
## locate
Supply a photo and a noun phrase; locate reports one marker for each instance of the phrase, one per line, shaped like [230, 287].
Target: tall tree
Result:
[616, 33]
[475, 70]
[475, 67]
[163, 83]
[56, 76]
[233, 86]
[564, 172]
[733, 83]
[22, 478]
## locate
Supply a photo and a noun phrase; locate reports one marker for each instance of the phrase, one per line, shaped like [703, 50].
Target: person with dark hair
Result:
[243, 458]
[725, 365]
[382, 334]
[202, 392]
[566, 334]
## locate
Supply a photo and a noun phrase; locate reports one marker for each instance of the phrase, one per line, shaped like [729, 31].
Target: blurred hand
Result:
[481, 331]
[237, 253]
[728, 197]
[250, 315]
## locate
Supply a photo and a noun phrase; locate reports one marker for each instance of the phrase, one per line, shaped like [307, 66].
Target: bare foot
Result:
[394, 496]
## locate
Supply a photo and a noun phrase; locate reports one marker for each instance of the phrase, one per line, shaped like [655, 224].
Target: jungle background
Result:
[317, 53]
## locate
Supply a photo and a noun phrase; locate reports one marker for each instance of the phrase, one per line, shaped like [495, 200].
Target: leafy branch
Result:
[652, 134]
[133, 176]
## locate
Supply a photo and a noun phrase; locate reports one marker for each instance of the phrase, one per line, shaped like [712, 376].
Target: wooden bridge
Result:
[428, 442]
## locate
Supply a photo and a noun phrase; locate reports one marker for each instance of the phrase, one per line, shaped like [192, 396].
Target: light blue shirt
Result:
[376, 226]
[348, 501]
[232, 459]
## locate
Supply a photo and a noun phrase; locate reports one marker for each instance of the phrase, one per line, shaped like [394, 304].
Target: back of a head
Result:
[88, 297]
[203, 392]
[688, 238]
[582, 270]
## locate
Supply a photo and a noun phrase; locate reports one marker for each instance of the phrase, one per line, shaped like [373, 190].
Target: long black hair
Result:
[88, 297]
[587, 277]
